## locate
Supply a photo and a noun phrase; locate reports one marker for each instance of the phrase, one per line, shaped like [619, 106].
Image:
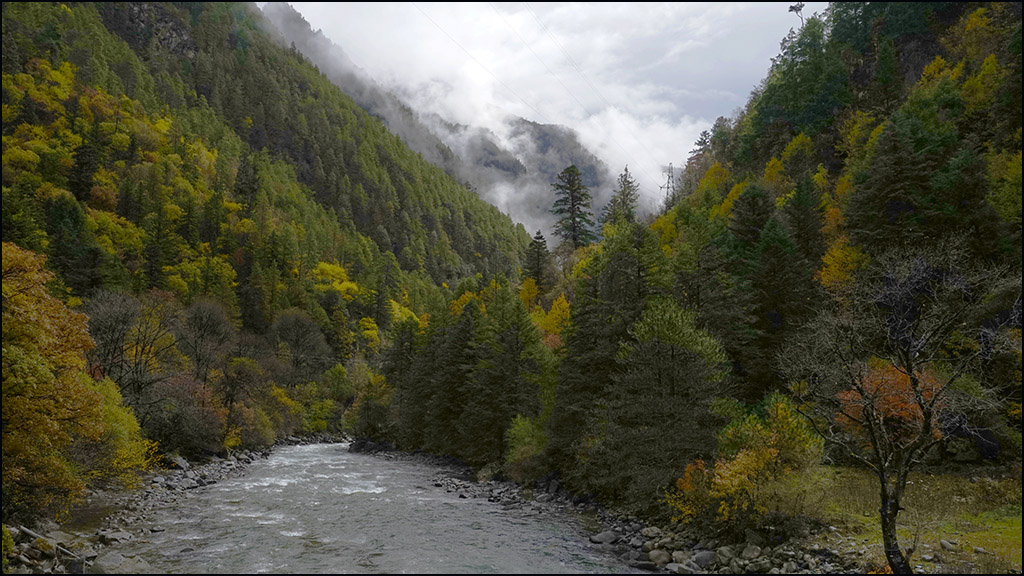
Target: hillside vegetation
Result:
[231, 250]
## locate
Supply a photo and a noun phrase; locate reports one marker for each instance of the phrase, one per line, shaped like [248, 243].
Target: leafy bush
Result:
[121, 452]
[526, 443]
[768, 462]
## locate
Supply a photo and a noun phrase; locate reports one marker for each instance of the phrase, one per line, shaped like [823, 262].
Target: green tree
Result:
[657, 416]
[537, 259]
[572, 206]
[622, 206]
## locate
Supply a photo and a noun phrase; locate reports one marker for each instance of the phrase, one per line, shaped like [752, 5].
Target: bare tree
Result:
[896, 352]
[205, 335]
[135, 342]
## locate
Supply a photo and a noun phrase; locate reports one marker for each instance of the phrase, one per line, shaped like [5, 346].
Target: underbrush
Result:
[972, 512]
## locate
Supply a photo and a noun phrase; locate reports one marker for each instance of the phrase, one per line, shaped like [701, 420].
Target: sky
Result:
[638, 82]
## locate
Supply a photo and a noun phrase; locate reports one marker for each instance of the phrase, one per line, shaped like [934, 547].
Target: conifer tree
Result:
[622, 206]
[537, 259]
[575, 220]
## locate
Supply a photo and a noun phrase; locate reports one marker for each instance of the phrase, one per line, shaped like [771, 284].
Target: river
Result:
[321, 509]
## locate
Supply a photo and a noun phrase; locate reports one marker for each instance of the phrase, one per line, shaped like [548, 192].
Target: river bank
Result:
[90, 540]
[650, 548]
[118, 532]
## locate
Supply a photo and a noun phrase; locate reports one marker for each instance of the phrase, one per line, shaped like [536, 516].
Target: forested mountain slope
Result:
[186, 176]
[513, 171]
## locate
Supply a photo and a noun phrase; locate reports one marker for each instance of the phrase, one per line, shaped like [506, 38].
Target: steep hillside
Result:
[513, 170]
[236, 229]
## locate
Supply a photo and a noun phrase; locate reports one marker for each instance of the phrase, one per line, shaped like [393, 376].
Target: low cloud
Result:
[637, 82]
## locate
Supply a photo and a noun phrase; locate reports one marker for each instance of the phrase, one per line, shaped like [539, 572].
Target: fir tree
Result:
[537, 259]
[622, 207]
[575, 221]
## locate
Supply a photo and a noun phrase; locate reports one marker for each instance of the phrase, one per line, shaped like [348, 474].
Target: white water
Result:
[320, 509]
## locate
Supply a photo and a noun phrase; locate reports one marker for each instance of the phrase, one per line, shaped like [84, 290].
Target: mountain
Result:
[513, 171]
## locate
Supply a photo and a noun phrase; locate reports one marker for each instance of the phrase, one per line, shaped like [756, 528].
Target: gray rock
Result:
[703, 558]
[723, 555]
[688, 568]
[761, 565]
[651, 532]
[606, 537]
[680, 556]
[115, 537]
[179, 462]
[790, 567]
[546, 497]
[117, 563]
[643, 565]
[750, 552]
[636, 542]
[553, 486]
[947, 545]
[980, 550]
[659, 557]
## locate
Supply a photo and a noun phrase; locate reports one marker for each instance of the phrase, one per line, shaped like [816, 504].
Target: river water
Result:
[321, 509]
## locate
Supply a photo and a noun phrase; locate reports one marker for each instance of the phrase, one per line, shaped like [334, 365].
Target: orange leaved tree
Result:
[891, 355]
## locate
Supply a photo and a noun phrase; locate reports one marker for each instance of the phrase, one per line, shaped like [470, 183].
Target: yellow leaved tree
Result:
[60, 427]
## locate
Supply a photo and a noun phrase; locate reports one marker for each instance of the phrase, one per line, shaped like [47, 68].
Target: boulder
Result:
[659, 557]
[606, 537]
[750, 552]
[703, 558]
[178, 462]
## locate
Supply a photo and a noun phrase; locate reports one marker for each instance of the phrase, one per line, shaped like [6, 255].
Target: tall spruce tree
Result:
[537, 259]
[575, 220]
[622, 206]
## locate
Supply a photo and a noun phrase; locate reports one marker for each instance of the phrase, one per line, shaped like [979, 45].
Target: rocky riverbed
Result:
[134, 523]
[642, 547]
[90, 541]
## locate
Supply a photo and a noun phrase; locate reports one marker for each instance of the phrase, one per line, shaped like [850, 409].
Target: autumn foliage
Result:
[887, 393]
[52, 409]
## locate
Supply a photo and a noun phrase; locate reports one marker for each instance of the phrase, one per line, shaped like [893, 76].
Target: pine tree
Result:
[804, 220]
[631, 269]
[750, 213]
[622, 206]
[575, 221]
[537, 259]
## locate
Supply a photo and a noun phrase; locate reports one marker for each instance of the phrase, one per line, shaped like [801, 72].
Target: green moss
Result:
[8, 546]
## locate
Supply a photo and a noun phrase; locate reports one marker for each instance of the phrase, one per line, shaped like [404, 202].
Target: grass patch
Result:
[979, 512]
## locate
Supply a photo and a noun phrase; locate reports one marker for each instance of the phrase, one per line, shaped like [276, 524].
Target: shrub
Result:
[768, 462]
[526, 443]
[187, 418]
[121, 452]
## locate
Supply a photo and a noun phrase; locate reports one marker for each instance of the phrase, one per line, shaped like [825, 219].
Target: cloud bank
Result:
[637, 82]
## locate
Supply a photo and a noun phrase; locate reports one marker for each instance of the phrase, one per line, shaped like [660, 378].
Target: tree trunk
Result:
[890, 540]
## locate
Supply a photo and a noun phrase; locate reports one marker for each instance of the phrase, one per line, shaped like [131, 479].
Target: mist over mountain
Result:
[512, 168]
